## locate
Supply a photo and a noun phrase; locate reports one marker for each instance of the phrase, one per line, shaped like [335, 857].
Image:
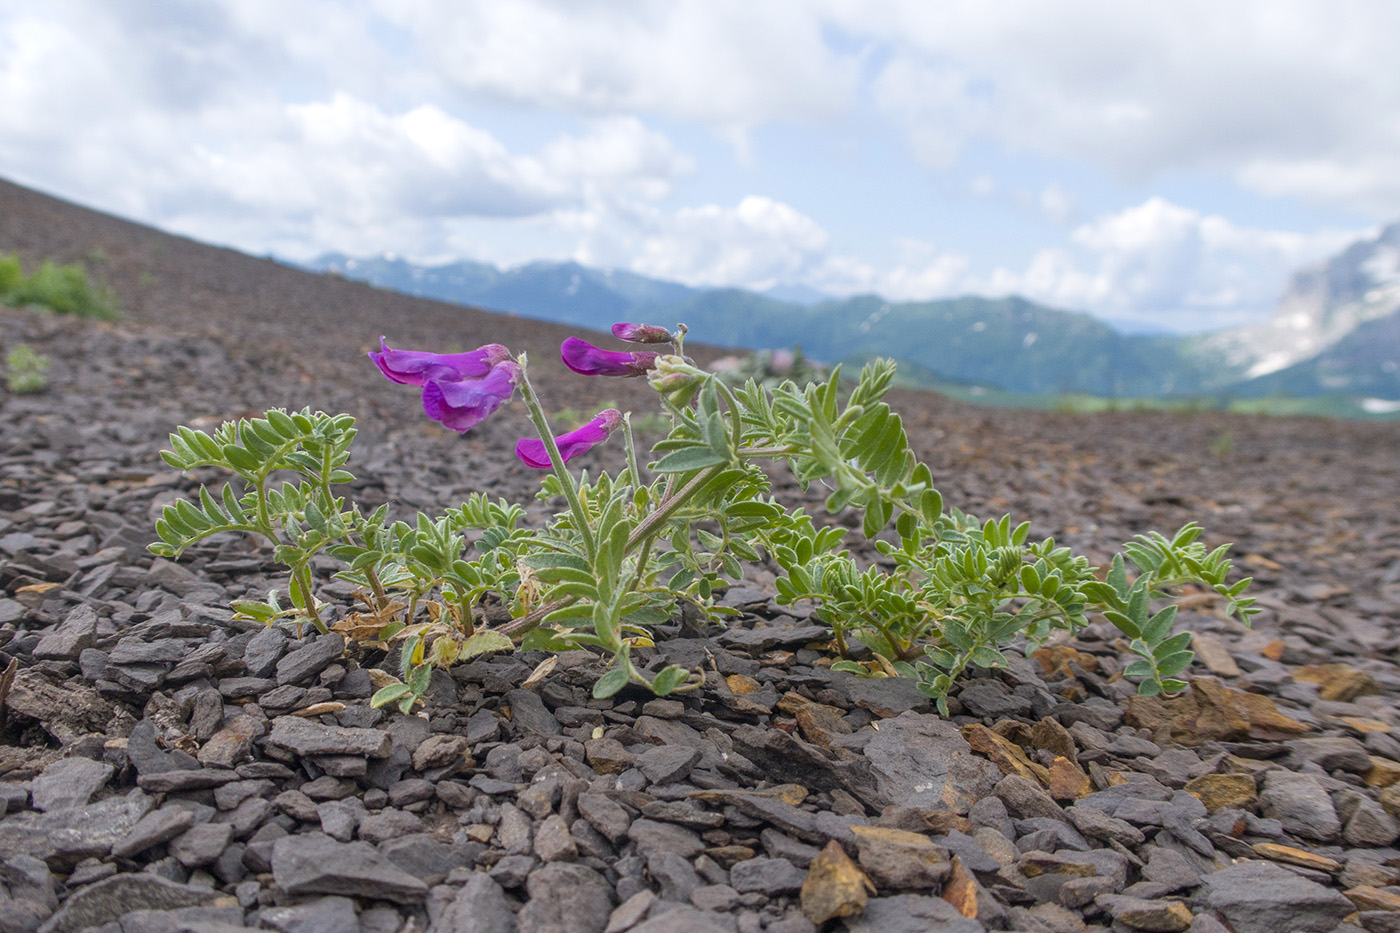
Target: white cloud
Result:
[1291, 98]
[757, 244]
[1164, 264]
[723, 63]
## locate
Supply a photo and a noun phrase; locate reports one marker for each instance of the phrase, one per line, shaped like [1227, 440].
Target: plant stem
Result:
[556, 460]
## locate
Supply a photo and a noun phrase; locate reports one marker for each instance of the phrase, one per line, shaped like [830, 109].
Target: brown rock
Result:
[1211, 652]
[1383, 773]
[1005, 754]
[1048, 735]
[607, 756]
[742, 684]
[1067, 782]
[440, 751]
[232, 743]
[1390, 800]
[819, 723]
[1211, 711]
[1340, 682]
[896, 859]
[835, 886]
[961, 889]
[1299, 857]
[1222, 791]
[1366, 897]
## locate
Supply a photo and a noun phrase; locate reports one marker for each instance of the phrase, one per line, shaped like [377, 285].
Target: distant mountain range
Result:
[1336, 331]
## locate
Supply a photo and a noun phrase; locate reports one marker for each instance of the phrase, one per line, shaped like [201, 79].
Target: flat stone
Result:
[553, 843]
[683, 919]
[1140, 914]
[442, 751]
[479, 907]
[1224, 791]
[304, 663]
[323, 915]
[899, 860]
[910, 757]
[305, 737]
[106, 900]
[65, 837]
[1301, 804]
[528, 712]
[72, 636]
[231, 744]
[605, 815]
[201, 844]
[68, 782]
[911, 913]
[1026, 799]
[651, 836]
[773, 877]
[667, 764]
[154, 828]
[566, 897]
[264, 649]
[1258, 897]
[314, 863]
[170, 782]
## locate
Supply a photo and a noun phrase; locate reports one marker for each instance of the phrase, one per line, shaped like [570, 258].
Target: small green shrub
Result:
[26, 372]
[64, 289]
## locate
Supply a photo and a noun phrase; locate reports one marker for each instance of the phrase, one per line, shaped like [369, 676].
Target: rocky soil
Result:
[165, 767]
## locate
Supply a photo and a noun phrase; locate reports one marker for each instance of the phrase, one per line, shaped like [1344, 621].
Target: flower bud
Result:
[641, 333]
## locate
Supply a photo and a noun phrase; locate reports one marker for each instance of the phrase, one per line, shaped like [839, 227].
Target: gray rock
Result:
[306, 737]
[681, 919]
[340, 818]
[68, 782]
[425, 857]
[528, 712]
[1330, 753]
[1370, 825]
[605, 815]
[553, 843]
[304, 663]
[566, 898]
[1301, 804]
[314, 863]
[65, 837]
[263, 650]
[154, 828]
[323, 915]
[770, 876]
[70, 638]
[1260, 897]
[173, 782]
[1026, 799]
[651, 836]
[667, 764]
[201, 844]
[910, 757]
[992, 700]
[911, 913]
[479, 907]
[676, 877]
[109, 899]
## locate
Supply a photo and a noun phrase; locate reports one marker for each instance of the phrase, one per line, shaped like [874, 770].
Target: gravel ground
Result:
[164, 767]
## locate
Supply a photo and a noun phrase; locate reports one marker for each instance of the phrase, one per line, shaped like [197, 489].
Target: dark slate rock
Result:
[69, 640]
[605, 815]
[910, 757]
[667, 764]
[306, 737]
[911, 913]
[479, 907]
[323, 915]
[1301, 804]
[769, 876]
[528, 712]
[1261, 897]
[109, 899]
[675, 876]
[566, 898]
[65, 837]
[651, 836]
[68, 782]
[682, 919]
[767, 637]
[993, 700]
[201, 844]
[314, 863]
[147, 757]
[170, 782]
[883, 696]
[304, 663]
[264, 650]
[154, 828]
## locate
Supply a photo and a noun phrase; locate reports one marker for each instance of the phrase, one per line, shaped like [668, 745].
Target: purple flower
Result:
[641, 333]
[582, 357]
[462, 404]
[417, 367]
[532, 452]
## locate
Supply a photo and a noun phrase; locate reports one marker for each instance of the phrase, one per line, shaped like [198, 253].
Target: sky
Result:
[1163, 166]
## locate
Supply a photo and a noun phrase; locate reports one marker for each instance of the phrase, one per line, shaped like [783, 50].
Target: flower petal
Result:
[641, 333]
[584, 358]
[418, 367]
[532, 452]
[462, 404]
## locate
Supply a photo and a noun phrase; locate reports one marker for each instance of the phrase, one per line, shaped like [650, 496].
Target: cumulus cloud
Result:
[1164, 264]
[1289, 98]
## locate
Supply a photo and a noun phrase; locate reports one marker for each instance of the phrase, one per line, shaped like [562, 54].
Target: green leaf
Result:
[1159, 626]
[687, 459]
[1174, 663]
[670, 677]
[610, 683]
[987, 656]
[850, 667]
[388, 694]
[545, 639]
[484, 641]
[1142, 668]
